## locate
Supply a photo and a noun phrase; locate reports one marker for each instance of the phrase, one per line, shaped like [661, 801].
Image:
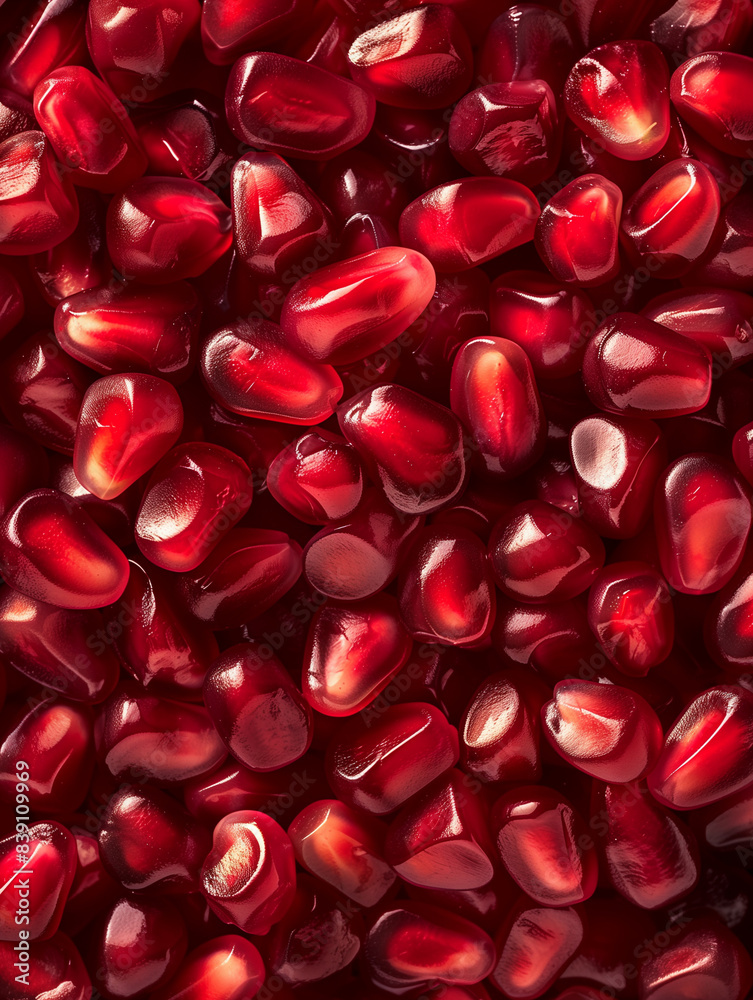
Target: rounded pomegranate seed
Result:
[728, 260]
[545, 847]
[606, 731]
[630, 612]
[248, 878]
[420, 58]
[346, 311]
[51, 862]
[709, 91]
[226, 962]
[37, 200]
[376, 762]
[618, 94]
[132, 329]
[264, 107]
[343, 848]
[702, 514]
[250, 369]
[70, 104]
[228, 32]
[534, 945]
[318, 478]
[256, 708]
[527, 42]
[56, 961]
[641, 369]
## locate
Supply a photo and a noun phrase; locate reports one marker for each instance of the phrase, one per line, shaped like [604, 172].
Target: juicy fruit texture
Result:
[376, 468]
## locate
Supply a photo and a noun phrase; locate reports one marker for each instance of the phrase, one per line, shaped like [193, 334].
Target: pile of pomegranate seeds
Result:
[376, 465]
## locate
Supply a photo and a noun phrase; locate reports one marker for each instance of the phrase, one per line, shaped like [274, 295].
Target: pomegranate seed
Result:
[539, 553]
[51, 861]
[264, 109]
[604, 730]
[702, 515]
[318, 478]
[534, 945]
[251, 370]
[707, 752]
[344, 849]
[668, 223]
[148, 841]
[227, 32]
[651, 856]
[132, 329]
[508, 428]
[641, 369]
[391, 59]
[378, 764]
[708, 91]
[162, 229]
[56, 961]
[545, 847]
[228, 961]
[527, 42]
[500, 731]
[248, 878]
[469, 221]
[687, 28]
[442, 947]
[728, 260]
[440, 838]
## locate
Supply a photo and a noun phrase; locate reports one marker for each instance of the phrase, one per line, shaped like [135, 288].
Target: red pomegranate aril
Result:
[195, 494]
[164, 229]
[50, 860]
[705, 957]
[728, 823]
[317, 937]
[377, 763]
[709, 91]
[137, 946]
[249, 368]
[280, 226]
[577, 233]
[247, 572]
[148, 841]
[361, 555]
[83, 569]
[493, 391]
[344, 849]
[534, 945]
[545, 846]
[616, 462]
[702, 515]
[248, 878]
[318, 478]
[606, 731]
[208, 971]
[228, 32]
[56, 961]
[430, 469]
[64, 650]
[527, 42]
[55, 740]
[550, 322]
[720, 320]
[500, 731]
[638, 368]
[619, 94]
[446, 588]
[349, 310]
[507, 130]
[413, 145]
[37, 201]
[651, 856]
[356, 183]
[132, 329]
[352, 652]
[89, 129]
[420, 58]
[539, 553]
[413, 945]
[126, 425]
[259, 713]
[688, 28]
[728, 261]
[116, 36]
[708, 753]
[467, 222]
[159, 645]
[440, 838]
[115, 517]
[630, 612]
[143, 736]
[48, 36]
[669, 221]
[264, 108]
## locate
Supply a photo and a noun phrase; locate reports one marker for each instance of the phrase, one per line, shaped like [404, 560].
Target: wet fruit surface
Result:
[376, 468]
